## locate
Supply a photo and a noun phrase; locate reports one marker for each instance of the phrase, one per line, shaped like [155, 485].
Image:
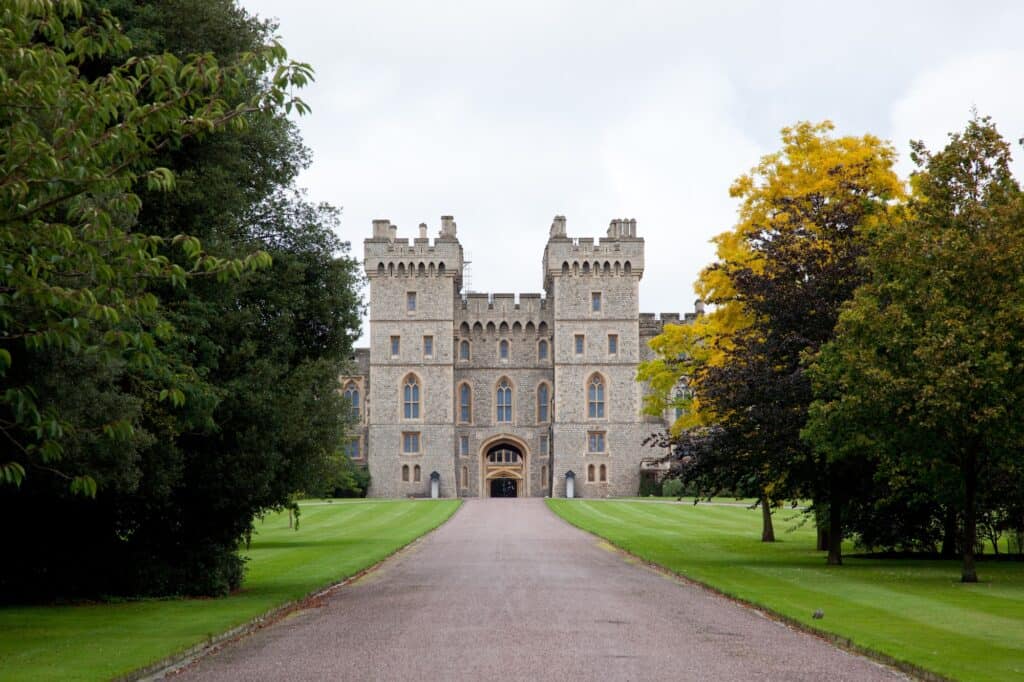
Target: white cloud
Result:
[939, 101]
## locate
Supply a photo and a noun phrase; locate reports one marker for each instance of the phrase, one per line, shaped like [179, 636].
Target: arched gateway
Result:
[503, 468]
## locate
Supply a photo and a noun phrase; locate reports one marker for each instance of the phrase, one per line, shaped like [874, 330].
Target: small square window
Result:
[428, 346]
[595, 441]
[543, 445]
[613, 344]
[579, 344]
[410, 301]
[464, 446]
[396, 346]
[410, 443]
[595, 302]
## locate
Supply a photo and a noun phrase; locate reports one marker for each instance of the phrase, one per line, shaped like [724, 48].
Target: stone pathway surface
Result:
[506, 589]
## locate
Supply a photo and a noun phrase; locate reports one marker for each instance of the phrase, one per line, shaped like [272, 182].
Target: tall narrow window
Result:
[503, 349]
[405, 472]
[544, 476]
[428, 346]
[353, 449]
[411, 443]
[465, 403]
[352, 396]
[579, 344]
[542, 350]
[595, 301]
[504, 402]
[613, 344]
[464, 446]
[396, 346]
[464, 350]
[543, 447]
[465, 477]
[590, 473]
[603, 475]
[595, 398]
[411, 398]
[542, 403]
[410, 301]
[416, 473]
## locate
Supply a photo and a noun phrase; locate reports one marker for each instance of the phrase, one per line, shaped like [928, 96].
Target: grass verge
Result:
[100, 641]
[909, 610]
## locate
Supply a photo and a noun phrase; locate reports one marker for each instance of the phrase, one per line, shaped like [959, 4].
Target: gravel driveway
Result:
[506, 589]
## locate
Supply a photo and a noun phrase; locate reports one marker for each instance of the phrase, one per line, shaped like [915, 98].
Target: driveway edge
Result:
[175, 663]
[838, 641]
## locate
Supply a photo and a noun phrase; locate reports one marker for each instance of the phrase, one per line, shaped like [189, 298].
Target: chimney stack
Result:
[423, 230]
[381, 228]
[447, 227]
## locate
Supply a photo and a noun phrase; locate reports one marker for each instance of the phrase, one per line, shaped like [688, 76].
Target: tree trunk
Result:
[949, 533]
[835, 533]
[821, 523]
[767, 529]
[969, 573]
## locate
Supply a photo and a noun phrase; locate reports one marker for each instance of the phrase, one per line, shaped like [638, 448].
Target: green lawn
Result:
[914, 611]
[89, 642]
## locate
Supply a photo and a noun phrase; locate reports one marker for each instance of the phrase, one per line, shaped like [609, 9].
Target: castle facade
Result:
[490, 395]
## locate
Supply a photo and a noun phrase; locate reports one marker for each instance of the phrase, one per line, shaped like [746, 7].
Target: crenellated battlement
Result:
[652, 324]
[620, 253]
[388, 255]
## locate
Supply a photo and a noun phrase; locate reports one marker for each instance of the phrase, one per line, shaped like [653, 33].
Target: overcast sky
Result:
[505, 114]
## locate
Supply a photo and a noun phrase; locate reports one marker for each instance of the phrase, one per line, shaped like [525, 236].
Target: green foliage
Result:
[186, 411]
[673, 487]
[927, 371]
[76, 277]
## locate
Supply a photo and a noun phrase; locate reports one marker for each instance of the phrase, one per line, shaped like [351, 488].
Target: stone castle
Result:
[487, 395]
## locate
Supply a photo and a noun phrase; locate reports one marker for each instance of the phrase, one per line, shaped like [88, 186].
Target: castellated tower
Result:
[598, 430]
[413, 290]
[499, 395]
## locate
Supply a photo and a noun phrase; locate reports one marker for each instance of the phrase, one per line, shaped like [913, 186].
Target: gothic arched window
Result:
[352, 396]
[465, 403]
[504, 401]
[411, 398]
[542, 403]
[503, 349]
[542, 350]
[595, 397]
[464, 350]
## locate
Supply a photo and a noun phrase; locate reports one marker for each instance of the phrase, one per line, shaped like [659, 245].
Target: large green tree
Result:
[185, 411]
[927, 370]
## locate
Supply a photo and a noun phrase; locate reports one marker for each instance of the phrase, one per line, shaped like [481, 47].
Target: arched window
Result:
[590, 473]
[352, 396]
[465, 403]
[416, 473]
[542, 350]
[405, 472]
[504, 402]
[464, 350]
[411, 398]
[503, 349]
[595, 397]
[380, 269]
[542, 403]
[603, 475]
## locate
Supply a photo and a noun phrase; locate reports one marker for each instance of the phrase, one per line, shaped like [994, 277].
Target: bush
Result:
[672, 487]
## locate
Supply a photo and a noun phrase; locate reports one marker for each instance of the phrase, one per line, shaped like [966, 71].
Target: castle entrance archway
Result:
[504, 468]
